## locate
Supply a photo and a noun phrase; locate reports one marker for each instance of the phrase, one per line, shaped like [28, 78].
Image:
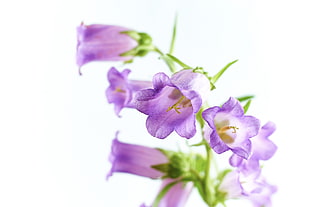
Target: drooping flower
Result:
[262, 149]
[99, 42]
[230, 129]
[261, 196]
[135, 159]
[121, 91]
[173, 102]
[177, 195]
[236, 185]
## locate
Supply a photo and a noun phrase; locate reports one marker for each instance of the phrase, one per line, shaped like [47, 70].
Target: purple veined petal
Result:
[230, 128]
[177, 195]
[135, 159]
[160, 80]
[233, 107]
[262, 149]
[243, 150]
[187, 80]
[168, 108]
[102, 43]
[121, 91]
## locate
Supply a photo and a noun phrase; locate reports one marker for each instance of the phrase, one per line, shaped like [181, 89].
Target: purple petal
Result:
[177, 195]
[121, 91]
[135, 159]
[233, 107]
[102, 43]
[263, 148]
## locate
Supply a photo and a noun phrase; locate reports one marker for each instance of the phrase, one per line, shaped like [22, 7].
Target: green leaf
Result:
[182, 64]
[246, 106]
[220, 73]
[245, 98]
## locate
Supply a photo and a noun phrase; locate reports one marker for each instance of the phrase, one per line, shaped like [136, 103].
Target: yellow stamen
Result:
[176, 105]
[118, 89]
[226, 137]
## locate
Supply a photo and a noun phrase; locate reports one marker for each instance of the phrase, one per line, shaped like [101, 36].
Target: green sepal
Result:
[144, 44]
[176, 166]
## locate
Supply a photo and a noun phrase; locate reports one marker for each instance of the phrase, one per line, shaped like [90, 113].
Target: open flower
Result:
[262, 149]
[236, 184]
[99, 42]
[229, 129]
[135, 159]
[173, 102]
[121, 91]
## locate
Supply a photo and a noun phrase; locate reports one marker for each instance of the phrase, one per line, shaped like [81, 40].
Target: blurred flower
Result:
[238, 185]
[176, 195]
[229, 128]
[262, 149]
[98, 42]
[173, 102]
[135, 159]
[121, 90]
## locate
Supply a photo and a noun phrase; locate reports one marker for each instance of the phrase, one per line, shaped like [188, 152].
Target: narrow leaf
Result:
[246, 106]
[220, 73]
[178, 61]
[245, 98]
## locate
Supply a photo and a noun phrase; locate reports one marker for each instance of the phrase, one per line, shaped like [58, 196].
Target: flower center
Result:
[181, 103]
[226, 133]
[119, 90]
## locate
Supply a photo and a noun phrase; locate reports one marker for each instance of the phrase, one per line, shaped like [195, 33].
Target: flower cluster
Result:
[177, 102]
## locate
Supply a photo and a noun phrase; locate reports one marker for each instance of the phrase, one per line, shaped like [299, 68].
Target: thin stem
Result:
[174, 32]
[207, 175]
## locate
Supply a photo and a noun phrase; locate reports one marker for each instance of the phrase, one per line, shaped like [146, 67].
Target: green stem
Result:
[174, 32]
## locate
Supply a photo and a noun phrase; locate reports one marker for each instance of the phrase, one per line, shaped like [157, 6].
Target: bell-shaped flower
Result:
[173, 102]
[121, 90]
[236, 185]
[135, 159]
[229, 129]
[176, 195]
[99, 42]
[262, 149]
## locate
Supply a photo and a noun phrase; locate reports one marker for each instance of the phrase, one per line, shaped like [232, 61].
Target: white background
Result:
[56, 126]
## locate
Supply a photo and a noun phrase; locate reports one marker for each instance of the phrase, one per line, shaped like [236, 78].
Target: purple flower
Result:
[177, 195]
[229, 128]
[173, 102]
[121, 91]
[237, 185]
[231, 186]
[135, 159]
[98, 42]
[262, 149]
[262, 194]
